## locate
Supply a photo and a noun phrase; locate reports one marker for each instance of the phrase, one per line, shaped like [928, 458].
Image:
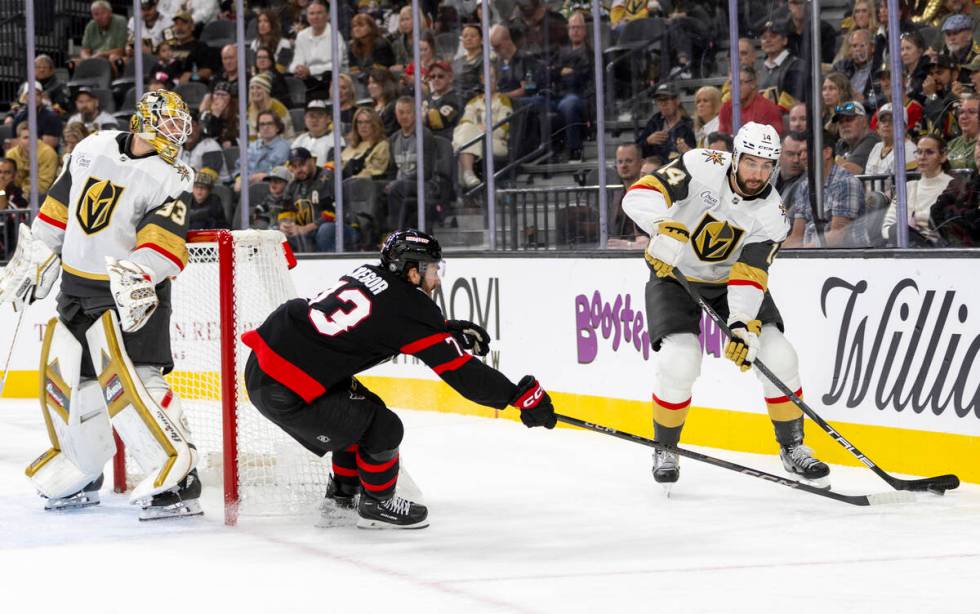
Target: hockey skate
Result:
[339, 505]
[392, 513]
[86, 497]
[179, 502]
[666, 468]
[798, 460]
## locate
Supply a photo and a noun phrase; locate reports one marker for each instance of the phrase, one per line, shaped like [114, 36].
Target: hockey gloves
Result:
[743, 345]
[665, 248]
[30, 273]
[534, 403]
[470, 336]
[133, 290]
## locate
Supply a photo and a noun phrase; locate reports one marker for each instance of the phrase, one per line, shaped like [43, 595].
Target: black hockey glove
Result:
[470, 335]
[534, 403]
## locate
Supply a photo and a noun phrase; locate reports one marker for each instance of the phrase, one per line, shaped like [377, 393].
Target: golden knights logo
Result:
[97, 203]
[714, 240]
[715, 157]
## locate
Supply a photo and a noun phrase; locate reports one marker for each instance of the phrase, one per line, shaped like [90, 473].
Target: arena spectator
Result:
[689, 30]
[573, 84]
[268, 34]
[427, 55]
[313, 56]
[915, 61]
[49, 124]
[260, 99]
[780, 72]
[368, 48]
[347, 103]
[383, 90]
[47, 161]
[863, 16]
[913, 110]
[755, 108]
[668, 127]
[318, 138]
[856, 141]
[443, 107]
[939, 98]
[205, 209]
[197, 60]
[401, 193]
[56, 91]
[858, 65]
[707, 103]
[843, 198]
[956, 213]
[958, 42]
[90, 111]
[835, 90]
[922, 193]
[792, 165]
[401, 40]
[10, 195]
[623, 232]
[881, 160]
[537, 29]
[516, 72]
[167, 62]
[198, 144]
[973, 69]
[266, 65]
[220, 119]
[203, 11]
[105, 34]
[308, 219]
[721, 141]
[799, 22]
[468, 68]
[962, 147]
[797, 118]
[269, 150]
[473, 125]
[367, 153]
[229, 67]
[624, 11]
[72, 135]
[265, 214]
[154, 24]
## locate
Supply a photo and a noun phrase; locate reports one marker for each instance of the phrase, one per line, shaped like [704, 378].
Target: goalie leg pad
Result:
[777, 353]
[143, 411]
[75, 416]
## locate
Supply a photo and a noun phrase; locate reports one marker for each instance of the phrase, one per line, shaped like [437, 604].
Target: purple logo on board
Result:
[624, 324]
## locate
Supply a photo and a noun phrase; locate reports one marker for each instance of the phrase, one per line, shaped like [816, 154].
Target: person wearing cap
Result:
[958, 42]
[973, 70]
[780, 71]
[939, 97]
[205, 208]
[266, 212]
[260, 99]
[668, 126]
[90, 111]
[881, 160]
[960, 149]
[313, 60]
[198, 61]
[858, 66]
[154, 24]
[269, 150]
[443, 107]
[105, 34]
[856, 141]
[49, 124]
[47, 161]
[755, 108]
[308, 218]
[318, 138]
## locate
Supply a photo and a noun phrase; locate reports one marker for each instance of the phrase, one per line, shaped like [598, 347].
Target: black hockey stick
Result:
[938, 484]
[874, 499]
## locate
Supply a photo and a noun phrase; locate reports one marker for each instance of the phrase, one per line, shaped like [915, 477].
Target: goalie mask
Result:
[162, 120]
[760, 141]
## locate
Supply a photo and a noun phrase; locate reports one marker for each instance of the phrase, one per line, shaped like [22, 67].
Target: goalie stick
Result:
[937, 484]
[10, 352]
[872, 499]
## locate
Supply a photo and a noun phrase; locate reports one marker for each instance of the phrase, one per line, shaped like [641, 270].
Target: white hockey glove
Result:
[31, 272]
[743, 346]
[665, 248]
[132, 289]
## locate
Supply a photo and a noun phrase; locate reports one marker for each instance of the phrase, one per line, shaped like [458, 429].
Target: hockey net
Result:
[232, 281]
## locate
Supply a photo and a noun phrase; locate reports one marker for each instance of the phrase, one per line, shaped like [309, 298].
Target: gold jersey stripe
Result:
[746, 272]
[77, 273]
[55, 209]
[649, 182]
[173, 244]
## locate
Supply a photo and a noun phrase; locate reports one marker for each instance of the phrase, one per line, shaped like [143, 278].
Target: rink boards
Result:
[888, 351]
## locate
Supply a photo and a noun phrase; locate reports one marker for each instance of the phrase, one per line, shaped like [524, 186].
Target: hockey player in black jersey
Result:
[305, 355]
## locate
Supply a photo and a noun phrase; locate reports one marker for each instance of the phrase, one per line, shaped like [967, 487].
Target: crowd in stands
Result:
[541, 57]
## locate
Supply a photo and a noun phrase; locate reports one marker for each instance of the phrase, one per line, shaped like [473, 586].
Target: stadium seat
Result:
[227, 198]
[214, 160]
[231, 158]
[192, 92]
[446, 45]
[93, 72]
[362, 207]
[218, 33]
[257, 192]
[296, 115]
[297, 92]
[106, 102]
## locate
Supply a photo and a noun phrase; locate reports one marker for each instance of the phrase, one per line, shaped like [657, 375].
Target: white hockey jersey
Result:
[733, 239]
[108, 203]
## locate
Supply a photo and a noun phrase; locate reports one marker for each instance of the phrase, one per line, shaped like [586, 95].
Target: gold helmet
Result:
[162, 120]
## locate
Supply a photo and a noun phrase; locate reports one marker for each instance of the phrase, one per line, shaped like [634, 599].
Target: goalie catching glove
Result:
[664, 250]
[743, 345]
[31, 272]
[134, 292]
[534, 403]
[470, 335]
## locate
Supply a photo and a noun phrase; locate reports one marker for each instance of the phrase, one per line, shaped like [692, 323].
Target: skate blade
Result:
[821, 483]
[366, 523]
[667, 488]
[184, 509]
[70, 503]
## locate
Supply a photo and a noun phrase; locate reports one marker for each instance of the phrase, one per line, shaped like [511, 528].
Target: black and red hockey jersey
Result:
[369, 316]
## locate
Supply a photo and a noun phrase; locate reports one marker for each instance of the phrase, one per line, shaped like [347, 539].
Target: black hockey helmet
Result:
[405, 248]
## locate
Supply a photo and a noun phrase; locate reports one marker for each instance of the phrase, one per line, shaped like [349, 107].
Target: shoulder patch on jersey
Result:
[184, 172]
[773, 219]
[713, 156]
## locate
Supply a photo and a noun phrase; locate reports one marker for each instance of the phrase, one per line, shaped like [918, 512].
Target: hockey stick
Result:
[10, 352]
[873, 499]
[938, 484]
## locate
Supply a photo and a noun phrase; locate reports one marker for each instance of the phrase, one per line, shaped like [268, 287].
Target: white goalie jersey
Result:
[108, 203]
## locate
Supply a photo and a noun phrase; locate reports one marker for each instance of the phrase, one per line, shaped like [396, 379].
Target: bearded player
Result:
[719, 219]
[115, 223]
[305, 355]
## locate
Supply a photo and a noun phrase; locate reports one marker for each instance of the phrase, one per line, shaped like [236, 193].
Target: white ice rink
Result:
[522, 521]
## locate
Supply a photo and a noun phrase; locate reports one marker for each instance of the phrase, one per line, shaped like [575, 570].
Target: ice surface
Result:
[522, 521]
